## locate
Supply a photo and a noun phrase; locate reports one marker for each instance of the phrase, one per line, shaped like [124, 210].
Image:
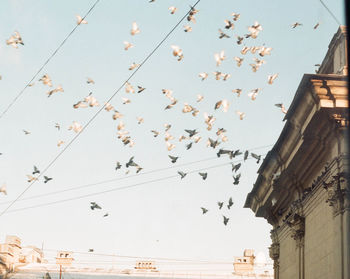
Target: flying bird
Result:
[140, 89]
[187, 28]
[31, 178]
[296, 24]
[80, 20]
[230, 203]
[172, 9]
[135, 29]
[204, 175]
[46, 80]
[257, 157]
[127, 45]
[219, 57]
[199, 98]
[47, 179]
[155, 133]
[235, 16]
[283, 109]
[76, 127]
[225, 220]
[90, 80]
[238, 91]
[235, 168]
[182, 174]
[36, 170]
[57, 89]
[177, 52]
[204, 210]
[229, 24]
[131, 163]
[191, 133]
[317, 25]
[240, 114]
[203, 76]
[91, 250]
[94, 206]
[236, 179]
[26, 132]
[173, 158]
[118, 166]
[239, 60]
[271, 78]
[3, 189]
[105, 215]
[222, 34]
[220, 204]
[14, 40]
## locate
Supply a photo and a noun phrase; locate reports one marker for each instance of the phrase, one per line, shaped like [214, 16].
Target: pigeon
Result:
[229, 24]
[46, 80]
[223, 151]
[213, 143]
[3, 189]
[31, 178]
[80, 104]
[173, 158]
[203, 76]
[58, 89]
[94, 206]
[283, 109]
[105, 215]
[58, 126]
[236, 179]
[238, 60]
[187, 28]
[204, 175]
[118, 166]
[182, 174]
[80, 20]
[126, 101]
[138, 169]
[220, 204]
[271, 78]
[156, 133]
[238, 91]
[235, 168]
[230, 203]
[135, 29]
[237, 153]
[246, 153]
[170, 146]
[225, 220]
[317, 25]
[204, 210]
[127, 45]
[219, 57]
[177, 52]
[222, 34]
[257, 157]
[191, 133]
[133, 66]
[131, 163]
[239, 40]
[265, 51]
[90, 80]
[26, 132]
[296, 24]
[14, 40]
[47, 179]
[140, 89]
[235, 16]
[241, 114]
[108, 107]
[199, 98]
[188, 146]
[172, 10]
[91, 250]
[76, 127]
[36, 170]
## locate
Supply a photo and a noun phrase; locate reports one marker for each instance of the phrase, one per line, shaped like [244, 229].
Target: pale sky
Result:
[160, 219]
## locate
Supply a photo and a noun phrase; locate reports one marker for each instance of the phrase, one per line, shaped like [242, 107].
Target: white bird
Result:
[172, 9]
[3, 189]
[225, 76]
[60, 143]
[120, 126]
[80, 20]
[235, 16]
[127, 45]
[283, 109]
[203, 75]
[90, 80]
[240, 114]
[245, 50]
[253, 95]
[187, 28]
[76, 127]
[265, 51]
[219, 57]
[14, 40]
[199, 98]
[177, 52]
[117, 115]
[31, 178]
[139, 120]
[80, 104]
[126, 101]
[229, 24]
[135, 29]
[217, 75]
[133, 66]
[46, 80]
[271, 78]
[129, 88]
[108, 107]
[93, 102]
[238, 91]
[57, 89]
[239, 61]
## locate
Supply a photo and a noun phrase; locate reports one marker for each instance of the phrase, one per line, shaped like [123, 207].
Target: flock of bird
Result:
[191, 136]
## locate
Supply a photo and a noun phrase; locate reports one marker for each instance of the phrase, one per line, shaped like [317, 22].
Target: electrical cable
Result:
[330, 12]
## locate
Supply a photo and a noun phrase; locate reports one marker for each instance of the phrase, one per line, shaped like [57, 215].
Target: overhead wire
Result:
[123, 178]
[120, 188]
[47, 61]
[100, 110]
[330, 12]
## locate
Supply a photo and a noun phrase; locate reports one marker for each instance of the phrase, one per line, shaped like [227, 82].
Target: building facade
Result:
[302, 188]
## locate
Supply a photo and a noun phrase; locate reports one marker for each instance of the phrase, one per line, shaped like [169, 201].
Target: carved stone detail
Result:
[297, 226]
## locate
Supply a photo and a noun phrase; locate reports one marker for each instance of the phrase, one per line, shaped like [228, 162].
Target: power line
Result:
[122, 178]
[330, 12]
[101, 109]
[119, 188]
[47, 61]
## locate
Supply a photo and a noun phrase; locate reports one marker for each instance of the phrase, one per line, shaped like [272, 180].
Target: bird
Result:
[197, 139]
[235, 168]
[36, 170]
[135, 29]
[177, 52]
[80, 104]
[90, 80]
[235, 16]
[191, 133]
[230, 203]
[3, 189]
[94, 206]
[187, 28]
[118, 166]
[191, 14]
[173, 158]
[140, 89]
[246, 153]
[236, 179]
[265, 51]
[57, 89]
[172, 10]
[188, 146]
[220, 204]
[108, 107]
[229, 24]
[46, 80]
[317, 25]
[76, 127]
[203, 76]
[241, 114]
[239, 60]
[47, 179]
[204, 175]
[139, 120]
[238, 91]
[239, 40]
[133, 66]
[170, 146]
[126, 101]
[222, 34]
[117, 115]
[80, 20]
[223, 151]
[127, 45]
[58, 126]
[204, 210]
[91, 250]
[168, 136]
[26, 132]
[199, 98]
[245, 50]
[217, 75]
[212, 143]
[225, 220]
[105, 215]
[283, 109]
[225, 76]
[14, 40]
[131, 163]
[182, 174]
[167, 127]
[255, 156]
[155, 133]
[31, 178]
[219, 57]
[271, 78]
[296, 24]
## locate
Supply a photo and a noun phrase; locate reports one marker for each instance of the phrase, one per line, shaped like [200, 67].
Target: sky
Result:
[160, 218]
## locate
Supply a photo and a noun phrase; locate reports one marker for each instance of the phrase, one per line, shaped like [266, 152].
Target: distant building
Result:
[145, 266]
[10, 251]
[303, 188]
[31, 254]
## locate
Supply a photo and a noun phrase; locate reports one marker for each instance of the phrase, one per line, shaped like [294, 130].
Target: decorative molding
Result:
[297, 226]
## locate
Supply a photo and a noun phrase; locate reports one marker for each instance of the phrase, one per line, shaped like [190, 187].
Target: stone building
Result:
[302, 188]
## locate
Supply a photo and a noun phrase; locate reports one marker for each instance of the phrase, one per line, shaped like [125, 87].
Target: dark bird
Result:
[26, 132]
[173, 158]
[94, 206]
[131, 163]
[188, 146]
[213, 143]
[118, 166]
[36, 170]
[230, 203]
[239, 40]
[222, 34]
[236, 179]
[140, 89]
[246, 153]
[257, 157]
[204, 175]
[204, 210]
[296, 24]
[182, 174]
[237, 153]
[225, 220]
[105, 215]
[47, 179]
[91, 250]
[191, 133]
[317, 25]
[220, 204]
[235, 168]
[223, 151]
[138, 169]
